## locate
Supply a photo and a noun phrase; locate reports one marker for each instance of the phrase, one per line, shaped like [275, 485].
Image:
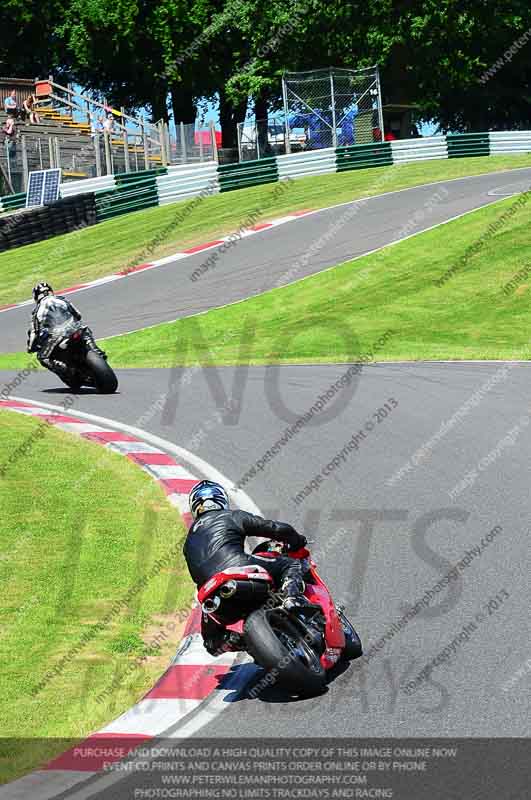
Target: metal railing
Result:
[89, 156]
[186, 145]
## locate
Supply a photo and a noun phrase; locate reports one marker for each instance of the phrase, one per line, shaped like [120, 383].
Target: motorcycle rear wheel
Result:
[277, 645]
[104, 377]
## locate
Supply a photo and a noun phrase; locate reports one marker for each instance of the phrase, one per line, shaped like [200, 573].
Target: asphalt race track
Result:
[386, 525]
[419, 530]
[267, 259]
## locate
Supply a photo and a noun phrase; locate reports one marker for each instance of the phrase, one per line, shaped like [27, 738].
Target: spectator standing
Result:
[10, 134]
[96, 127]
[108, 124]
[29, 108]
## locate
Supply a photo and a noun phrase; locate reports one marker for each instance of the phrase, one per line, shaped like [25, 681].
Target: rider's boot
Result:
[91, 344]
[292, 592]
[67, 374]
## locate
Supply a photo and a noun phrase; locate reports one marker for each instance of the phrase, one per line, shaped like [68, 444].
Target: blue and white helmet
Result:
[207, 496]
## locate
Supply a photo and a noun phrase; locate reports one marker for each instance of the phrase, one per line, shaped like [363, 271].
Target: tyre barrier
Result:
[32, 225]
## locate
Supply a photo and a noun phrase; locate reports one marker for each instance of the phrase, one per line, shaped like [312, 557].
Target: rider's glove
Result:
[301, 542]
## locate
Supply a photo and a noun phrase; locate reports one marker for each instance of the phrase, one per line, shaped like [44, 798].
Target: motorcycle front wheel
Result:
[353, 648]
[277, 644]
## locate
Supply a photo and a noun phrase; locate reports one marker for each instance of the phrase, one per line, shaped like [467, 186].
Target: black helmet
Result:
[207, 496]
[41, 290]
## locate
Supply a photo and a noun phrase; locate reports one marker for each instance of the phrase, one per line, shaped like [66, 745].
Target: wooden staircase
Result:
[49, 113]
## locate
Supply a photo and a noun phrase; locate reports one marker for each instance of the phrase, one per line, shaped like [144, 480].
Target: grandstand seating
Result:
[76, 147]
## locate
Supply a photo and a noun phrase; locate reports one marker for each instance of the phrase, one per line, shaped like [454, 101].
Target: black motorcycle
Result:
[78, 351]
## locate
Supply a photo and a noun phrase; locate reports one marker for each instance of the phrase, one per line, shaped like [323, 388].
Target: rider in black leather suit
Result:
[216, 541]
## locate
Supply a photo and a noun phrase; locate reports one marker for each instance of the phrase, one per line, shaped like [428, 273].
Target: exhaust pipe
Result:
[228, 589]
[211, 604]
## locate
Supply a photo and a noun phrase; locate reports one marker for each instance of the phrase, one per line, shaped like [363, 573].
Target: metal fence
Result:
[322, 108]
[332, 107]
[89, 156]
[262, 138]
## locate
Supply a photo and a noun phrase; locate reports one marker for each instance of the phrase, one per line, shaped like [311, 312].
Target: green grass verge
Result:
[146, 235]
[341, 313]
[75, 538]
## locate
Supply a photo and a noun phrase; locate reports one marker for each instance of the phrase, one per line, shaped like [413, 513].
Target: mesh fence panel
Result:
[261, 138]
[332, 107]
[189, 144]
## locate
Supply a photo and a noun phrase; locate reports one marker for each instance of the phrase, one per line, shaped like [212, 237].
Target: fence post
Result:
[380, 111]
[214, 142]
[332, 95]
[200, 144]
[183, 143]
[167, 139]
[287, 142]
[145, 143]
[50, 151]
[97, 154]
[24, 163]
[8, 162]
[39, 145]
[107, 145]
[126, 152]
[57, 152]
[162, 138]
[239, 133]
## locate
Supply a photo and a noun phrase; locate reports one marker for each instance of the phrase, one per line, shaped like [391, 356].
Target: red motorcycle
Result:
[296, 644]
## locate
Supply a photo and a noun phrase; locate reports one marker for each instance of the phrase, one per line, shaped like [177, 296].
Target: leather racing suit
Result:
[47, 323]
[216, 541]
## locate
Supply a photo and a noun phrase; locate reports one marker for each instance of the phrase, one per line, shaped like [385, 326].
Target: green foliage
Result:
[434, 54]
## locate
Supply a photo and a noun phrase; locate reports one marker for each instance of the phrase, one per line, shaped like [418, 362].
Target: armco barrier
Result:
[405, 151]
[510, 142]
[132, 178]
[361, 156]
[247, 173]
[129, 195]
[88, 185]
[301, 165]
[186, 181]
[463, 145]
[13, 201]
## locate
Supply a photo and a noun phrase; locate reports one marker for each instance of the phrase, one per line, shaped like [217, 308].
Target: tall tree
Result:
[30, 46]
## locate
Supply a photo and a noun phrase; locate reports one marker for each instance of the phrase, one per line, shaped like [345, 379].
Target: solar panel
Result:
[43, 187]
[35, 187]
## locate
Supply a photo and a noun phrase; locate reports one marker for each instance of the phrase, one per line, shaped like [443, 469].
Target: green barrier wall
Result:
[247, 173]
[361, 156]
[134, 191]
[462, 145]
